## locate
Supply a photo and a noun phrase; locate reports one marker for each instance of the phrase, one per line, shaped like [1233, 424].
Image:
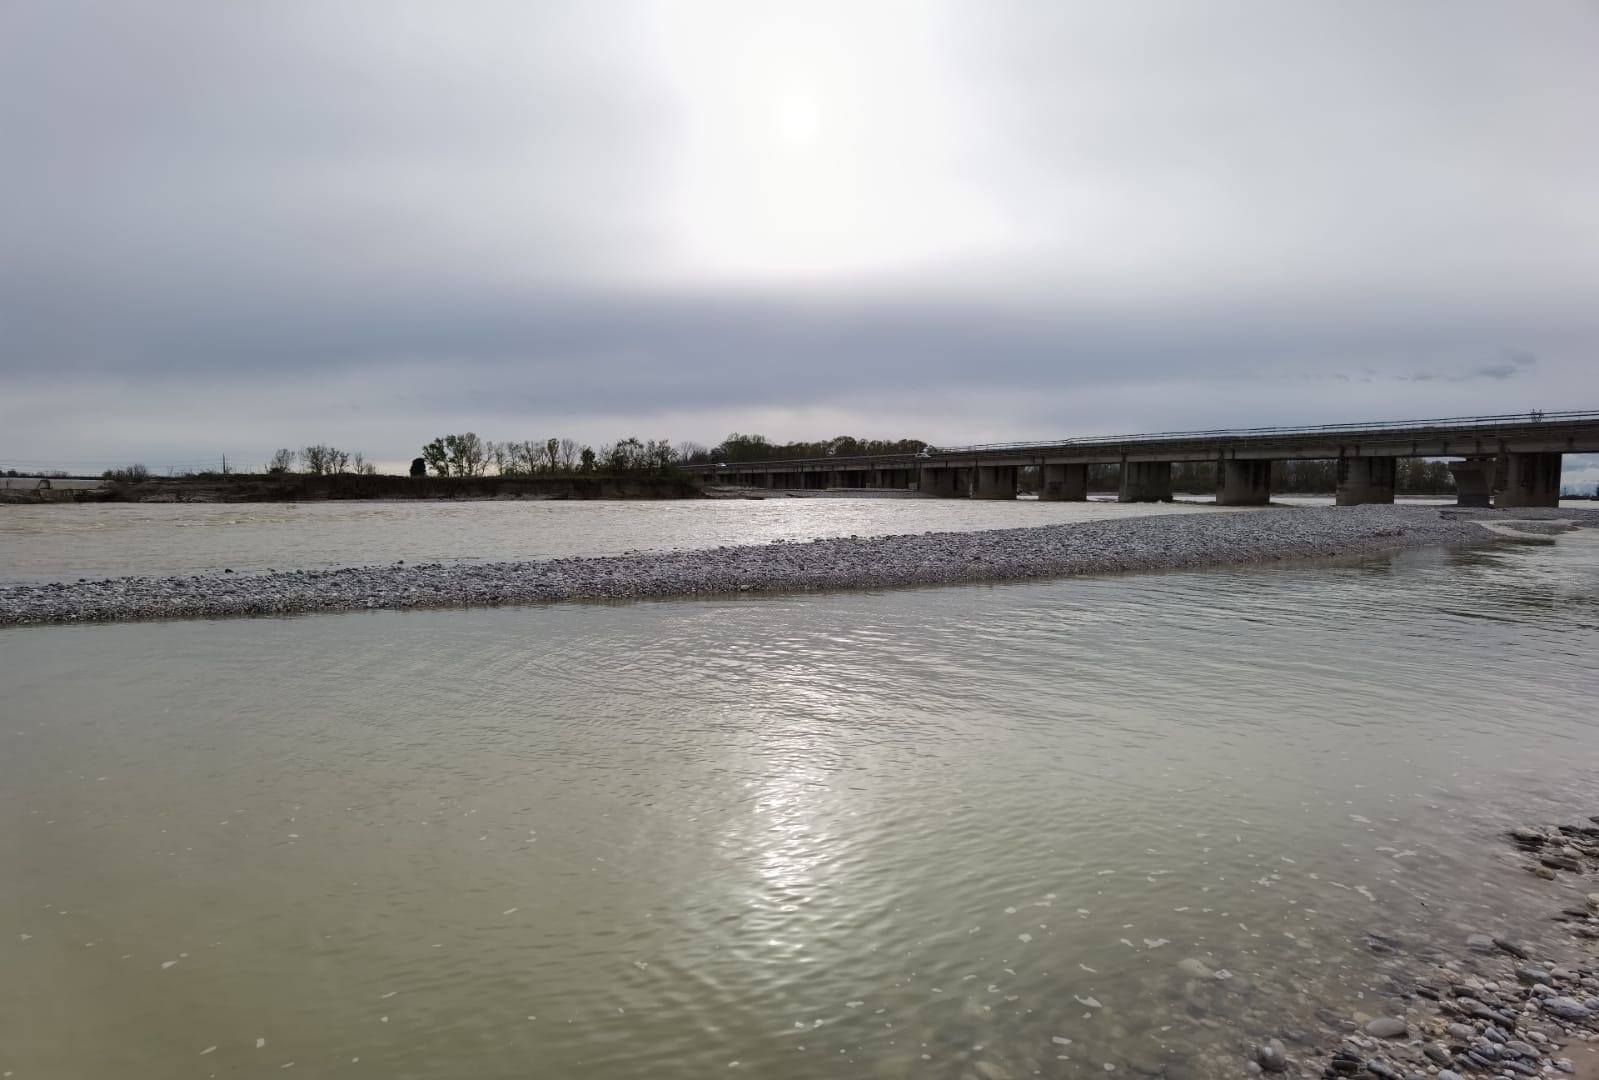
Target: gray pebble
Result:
[1511, 947]
[1565, 1008]
[1272, 1057]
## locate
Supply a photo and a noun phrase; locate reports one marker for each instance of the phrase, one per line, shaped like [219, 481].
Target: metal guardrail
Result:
[1528, 423]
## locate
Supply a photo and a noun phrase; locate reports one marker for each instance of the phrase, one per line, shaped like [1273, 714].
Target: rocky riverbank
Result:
[1496, 1008]
[1151, 543]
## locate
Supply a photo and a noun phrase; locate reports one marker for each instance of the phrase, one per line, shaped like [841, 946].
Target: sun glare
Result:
[797, 119]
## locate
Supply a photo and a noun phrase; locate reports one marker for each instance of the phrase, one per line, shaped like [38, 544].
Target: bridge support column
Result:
[1474, 481]
[1531, 480]
[1063, 483]
[995, 482]
[1244, 483]
[1145, 481]
[944, 483]
[1364, 480]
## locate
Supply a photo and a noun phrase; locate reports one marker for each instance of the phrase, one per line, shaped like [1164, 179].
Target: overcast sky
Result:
[233, 227]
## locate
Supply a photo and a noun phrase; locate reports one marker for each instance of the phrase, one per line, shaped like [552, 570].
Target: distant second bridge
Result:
[1504, 461]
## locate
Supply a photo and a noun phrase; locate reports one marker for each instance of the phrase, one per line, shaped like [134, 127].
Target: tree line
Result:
[737, 447]
[321, 460]
[465, 454]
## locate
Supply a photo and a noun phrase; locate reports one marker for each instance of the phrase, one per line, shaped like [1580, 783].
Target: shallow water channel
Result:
[1126, 824]
[63, 542]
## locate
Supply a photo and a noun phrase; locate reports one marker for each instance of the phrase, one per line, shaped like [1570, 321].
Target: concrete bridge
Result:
[1504, 460]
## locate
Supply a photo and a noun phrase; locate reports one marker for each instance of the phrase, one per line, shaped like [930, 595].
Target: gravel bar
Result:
[1490, 1007]
[1146, 543]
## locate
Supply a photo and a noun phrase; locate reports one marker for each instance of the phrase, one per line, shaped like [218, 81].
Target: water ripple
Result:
[891, 835]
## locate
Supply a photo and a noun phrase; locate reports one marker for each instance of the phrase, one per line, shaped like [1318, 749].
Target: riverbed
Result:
[974, 830]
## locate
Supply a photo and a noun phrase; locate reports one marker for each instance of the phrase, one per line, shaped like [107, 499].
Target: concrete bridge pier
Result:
[1145, 481]
[995, 482]
[1474, 480]
[1364, 480]
[1531, 480]
[1244, 483]
[1063, 483]
[944, 483]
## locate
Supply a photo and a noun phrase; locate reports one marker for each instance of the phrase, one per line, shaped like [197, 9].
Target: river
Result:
[1129, 823]
[63, 542]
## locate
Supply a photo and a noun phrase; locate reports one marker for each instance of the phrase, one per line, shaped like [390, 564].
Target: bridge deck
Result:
[1482, 436]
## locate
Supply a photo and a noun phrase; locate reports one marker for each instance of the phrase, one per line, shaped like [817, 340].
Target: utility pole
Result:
[224, 464]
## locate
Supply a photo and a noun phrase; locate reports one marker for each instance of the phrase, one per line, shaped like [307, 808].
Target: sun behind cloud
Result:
[798, 118]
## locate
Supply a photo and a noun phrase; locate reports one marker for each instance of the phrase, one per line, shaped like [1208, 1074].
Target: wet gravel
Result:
[1152, 543]
[1495, 1007]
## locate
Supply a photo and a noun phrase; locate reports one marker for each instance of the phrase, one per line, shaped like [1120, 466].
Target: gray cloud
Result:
[1514, 365]
[956, 221]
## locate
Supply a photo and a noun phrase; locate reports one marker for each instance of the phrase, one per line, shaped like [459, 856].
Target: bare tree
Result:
[569, 455]
[499, 454]
[128, 473]
[524, 456]
[466, 453]
[316, 459]
[625, 455]
[282, 461]
[659, 455]
[322, 460]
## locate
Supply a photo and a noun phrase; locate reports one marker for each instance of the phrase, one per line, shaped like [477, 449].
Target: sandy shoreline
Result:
[1133, 544]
